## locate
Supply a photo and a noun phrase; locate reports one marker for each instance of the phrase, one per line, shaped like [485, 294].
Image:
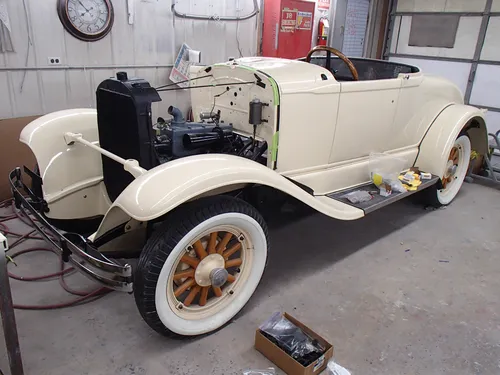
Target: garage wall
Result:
[473, 62]
[30, 86]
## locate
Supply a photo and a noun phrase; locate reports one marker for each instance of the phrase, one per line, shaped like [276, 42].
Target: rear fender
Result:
[167, 186]
[439, 139]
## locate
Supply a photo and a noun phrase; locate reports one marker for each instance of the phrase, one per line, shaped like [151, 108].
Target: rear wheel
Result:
[455, 172]
[201, 267]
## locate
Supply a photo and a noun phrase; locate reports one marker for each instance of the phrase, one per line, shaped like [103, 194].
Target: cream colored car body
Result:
[320, 133]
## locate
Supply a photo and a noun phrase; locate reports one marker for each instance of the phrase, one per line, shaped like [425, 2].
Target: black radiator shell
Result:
[125, 128]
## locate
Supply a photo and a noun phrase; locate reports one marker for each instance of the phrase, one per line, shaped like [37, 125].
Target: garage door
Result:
[457, 39]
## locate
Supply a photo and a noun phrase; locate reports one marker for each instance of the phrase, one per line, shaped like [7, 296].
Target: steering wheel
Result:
[340, 55]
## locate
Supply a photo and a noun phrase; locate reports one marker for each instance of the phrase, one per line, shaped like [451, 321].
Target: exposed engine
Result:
[126, 129]
[176, 138]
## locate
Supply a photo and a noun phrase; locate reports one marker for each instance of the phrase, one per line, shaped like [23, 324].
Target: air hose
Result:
[83, 296]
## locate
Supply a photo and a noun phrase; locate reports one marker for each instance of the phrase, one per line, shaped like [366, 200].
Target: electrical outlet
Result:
[54, 60]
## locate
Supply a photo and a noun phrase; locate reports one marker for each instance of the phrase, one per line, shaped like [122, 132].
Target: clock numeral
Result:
[89, 28]
[73, 19]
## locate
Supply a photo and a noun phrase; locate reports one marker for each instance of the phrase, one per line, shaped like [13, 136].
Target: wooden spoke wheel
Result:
[454, 173]
[201, 266]
[451, 166]
[210, 269]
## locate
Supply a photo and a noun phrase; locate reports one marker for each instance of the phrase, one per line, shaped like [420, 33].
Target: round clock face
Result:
[86, 19]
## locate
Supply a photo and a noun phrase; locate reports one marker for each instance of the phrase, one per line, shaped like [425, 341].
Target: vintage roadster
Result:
[109, 180]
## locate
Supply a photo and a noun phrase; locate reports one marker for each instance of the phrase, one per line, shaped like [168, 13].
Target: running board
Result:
[378, 201]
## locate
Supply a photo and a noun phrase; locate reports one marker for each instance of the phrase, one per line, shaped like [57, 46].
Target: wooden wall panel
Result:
[48, 37]
[26, 93]
[5, 110]
[54, 90]
[80, 92]
[19, 35]
[152, 40]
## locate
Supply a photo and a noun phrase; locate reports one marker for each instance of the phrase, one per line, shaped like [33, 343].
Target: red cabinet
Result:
[288, 27]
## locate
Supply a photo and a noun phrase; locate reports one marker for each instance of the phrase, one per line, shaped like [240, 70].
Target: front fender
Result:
[71, 175]
[439, 139]
[165, 187]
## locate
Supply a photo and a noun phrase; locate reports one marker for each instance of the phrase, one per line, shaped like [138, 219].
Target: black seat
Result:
[125, 128]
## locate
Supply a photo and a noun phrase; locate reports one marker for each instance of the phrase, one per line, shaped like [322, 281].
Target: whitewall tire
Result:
[455, 172]
[201, 267]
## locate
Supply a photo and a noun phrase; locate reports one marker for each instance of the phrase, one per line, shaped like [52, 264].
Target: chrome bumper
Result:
[73, 247]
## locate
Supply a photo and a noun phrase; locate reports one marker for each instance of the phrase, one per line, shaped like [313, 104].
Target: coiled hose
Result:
[83, 296]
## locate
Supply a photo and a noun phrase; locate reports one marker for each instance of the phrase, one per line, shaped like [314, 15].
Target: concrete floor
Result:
[385, 309]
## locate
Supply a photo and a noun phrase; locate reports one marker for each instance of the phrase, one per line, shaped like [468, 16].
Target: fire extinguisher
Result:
[323, 27]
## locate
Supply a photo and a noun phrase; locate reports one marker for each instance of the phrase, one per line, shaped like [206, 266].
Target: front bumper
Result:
[73, 247]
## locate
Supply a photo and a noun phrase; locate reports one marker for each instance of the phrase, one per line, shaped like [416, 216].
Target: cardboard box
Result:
[286, 362]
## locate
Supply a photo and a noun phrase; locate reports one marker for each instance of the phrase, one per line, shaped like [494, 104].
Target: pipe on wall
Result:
[215, 17]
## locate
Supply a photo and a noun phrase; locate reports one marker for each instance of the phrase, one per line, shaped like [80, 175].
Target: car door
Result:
[365, 118]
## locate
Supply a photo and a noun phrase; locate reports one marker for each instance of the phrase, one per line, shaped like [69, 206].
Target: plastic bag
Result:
[387, 187]
[292, 339]
[384, 170]
[387, 166]
[357, 196]
[267, 371]
[397, 186]
[335, 369]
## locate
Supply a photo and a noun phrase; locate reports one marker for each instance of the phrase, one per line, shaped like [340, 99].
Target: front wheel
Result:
[456, 170]
[201, 267]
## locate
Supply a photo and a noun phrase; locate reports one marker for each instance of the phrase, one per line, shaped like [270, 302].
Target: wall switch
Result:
[54, 60]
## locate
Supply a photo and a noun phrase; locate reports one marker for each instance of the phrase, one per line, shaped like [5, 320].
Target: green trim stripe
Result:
[275, 90]
[274, 149]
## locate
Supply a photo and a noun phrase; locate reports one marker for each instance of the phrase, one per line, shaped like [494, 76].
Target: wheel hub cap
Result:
[211, 271]
[452, 168]
[218, 277]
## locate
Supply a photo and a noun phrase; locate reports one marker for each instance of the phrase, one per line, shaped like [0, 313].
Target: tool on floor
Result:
[7, 312]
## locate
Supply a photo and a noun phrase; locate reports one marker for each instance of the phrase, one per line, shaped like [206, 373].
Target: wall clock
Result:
[88, 20]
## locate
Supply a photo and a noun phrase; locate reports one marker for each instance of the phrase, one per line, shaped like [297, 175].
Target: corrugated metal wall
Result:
[147, 49]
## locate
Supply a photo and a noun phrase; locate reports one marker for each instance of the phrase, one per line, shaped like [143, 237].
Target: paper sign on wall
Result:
[288, 20]
[324, 4]
[304, 20]
[183, 62]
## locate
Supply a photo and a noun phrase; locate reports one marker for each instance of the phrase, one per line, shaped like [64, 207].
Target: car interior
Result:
[355, 69]
[367, 69]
